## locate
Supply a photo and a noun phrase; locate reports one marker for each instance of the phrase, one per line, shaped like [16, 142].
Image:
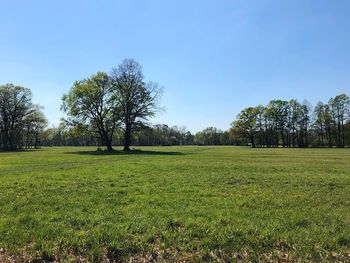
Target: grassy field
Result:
[175, 204]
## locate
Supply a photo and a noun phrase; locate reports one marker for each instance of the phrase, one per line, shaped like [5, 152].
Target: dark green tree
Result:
[15, 105]
[91, 103]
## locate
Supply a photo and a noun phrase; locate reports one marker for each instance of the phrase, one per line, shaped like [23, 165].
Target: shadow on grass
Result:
[22, 150]
[132, 152]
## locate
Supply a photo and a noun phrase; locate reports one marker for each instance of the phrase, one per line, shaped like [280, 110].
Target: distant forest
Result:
[113, 109]
[295, 124]
[279, 124]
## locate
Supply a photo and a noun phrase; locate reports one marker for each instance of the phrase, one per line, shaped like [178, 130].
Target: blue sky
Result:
[213, 57]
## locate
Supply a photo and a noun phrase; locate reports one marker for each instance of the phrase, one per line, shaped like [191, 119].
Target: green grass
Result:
[176, 203]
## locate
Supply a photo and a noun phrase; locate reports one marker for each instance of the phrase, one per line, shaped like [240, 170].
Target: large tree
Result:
[15, 105]
[247, 125]
[319, 124]
[340, 106]
[137, 100]
[277, 111]
[91, 103]
[34, 124]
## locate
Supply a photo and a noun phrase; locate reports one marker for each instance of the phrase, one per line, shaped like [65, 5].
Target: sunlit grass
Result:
[176, 203]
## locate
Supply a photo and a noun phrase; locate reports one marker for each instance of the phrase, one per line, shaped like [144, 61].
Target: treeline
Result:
[152, 135]
[113, 108]
[294, 124]
[163, 135]
[21, 122]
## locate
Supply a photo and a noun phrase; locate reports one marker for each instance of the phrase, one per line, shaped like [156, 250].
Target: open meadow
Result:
[188, 203]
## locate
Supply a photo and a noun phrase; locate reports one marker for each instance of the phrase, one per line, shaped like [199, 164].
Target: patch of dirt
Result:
[5, 258]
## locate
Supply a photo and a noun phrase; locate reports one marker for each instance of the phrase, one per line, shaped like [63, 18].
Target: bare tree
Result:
[137, 100]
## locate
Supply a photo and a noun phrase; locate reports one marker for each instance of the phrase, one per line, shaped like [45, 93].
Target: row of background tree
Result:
[295, 124]
[280, 123]
[155, 135]
[113, 109]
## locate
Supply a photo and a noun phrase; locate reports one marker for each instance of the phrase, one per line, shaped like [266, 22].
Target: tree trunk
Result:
[252, 141]
[108, 143]
[329, 136]
[109, 146]
[36, 140]
[342, 134]
[127, 138]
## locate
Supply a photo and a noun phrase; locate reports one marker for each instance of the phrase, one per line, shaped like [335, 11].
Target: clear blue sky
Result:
[212, 57]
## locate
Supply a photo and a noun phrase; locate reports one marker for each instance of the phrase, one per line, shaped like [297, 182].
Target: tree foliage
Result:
[19, 118]
[103, 102]
[293, 124]
[91, 103]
